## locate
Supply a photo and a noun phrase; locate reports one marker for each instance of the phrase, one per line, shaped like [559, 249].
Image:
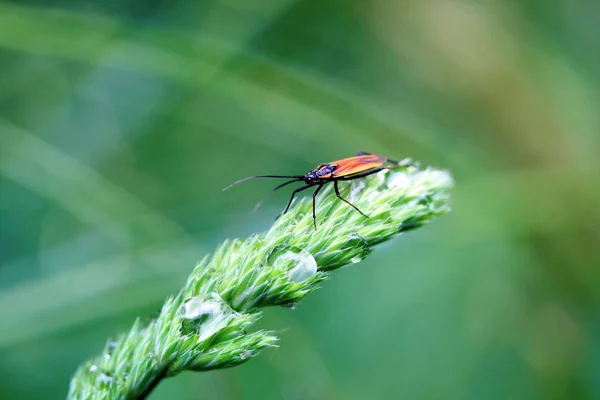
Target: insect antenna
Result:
[265, 197]
[295, 177]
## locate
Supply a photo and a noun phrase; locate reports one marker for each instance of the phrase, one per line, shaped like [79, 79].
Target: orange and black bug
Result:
[348, 169]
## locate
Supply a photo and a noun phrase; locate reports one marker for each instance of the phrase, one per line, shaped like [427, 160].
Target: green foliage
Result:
[206, 325]
[121, 121]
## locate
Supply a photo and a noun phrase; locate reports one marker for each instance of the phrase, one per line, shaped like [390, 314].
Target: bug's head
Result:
[311, 177]
[319, 174]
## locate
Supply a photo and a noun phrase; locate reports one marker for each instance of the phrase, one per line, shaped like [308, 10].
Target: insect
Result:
[359, 166]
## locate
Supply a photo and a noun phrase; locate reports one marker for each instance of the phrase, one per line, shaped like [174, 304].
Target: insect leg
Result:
[292, 198]
[315, 204]
[337, 193]
[261, 201]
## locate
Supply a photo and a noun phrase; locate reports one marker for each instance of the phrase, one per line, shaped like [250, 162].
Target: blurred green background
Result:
[120, 122]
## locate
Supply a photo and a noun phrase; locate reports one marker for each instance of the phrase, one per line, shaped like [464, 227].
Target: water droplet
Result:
[356, 259]
[306, 266]
[93, 368]
[422, 200]
[273, 254]
[110, 347]
[104, 378]
[106, 356]
[355, 240]
[299, 265]
[206, 315]
[290, 306]
[197, 307]
[358, 246]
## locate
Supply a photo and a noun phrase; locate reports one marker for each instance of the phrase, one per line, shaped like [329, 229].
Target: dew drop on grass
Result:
[206, 315]
[290, 306]
[355, 240]
[299, 265]
[305, 266]
[197, 307]
[104, 378]
[111, 345]
[357, 243]
[356, 259]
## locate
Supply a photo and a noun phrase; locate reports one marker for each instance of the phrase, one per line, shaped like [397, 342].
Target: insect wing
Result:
[356, 165]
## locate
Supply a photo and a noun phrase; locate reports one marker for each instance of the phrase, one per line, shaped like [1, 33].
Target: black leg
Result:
[315, 204]
[292, 198]
[256, 207]
[337, 193]
[363, 153]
